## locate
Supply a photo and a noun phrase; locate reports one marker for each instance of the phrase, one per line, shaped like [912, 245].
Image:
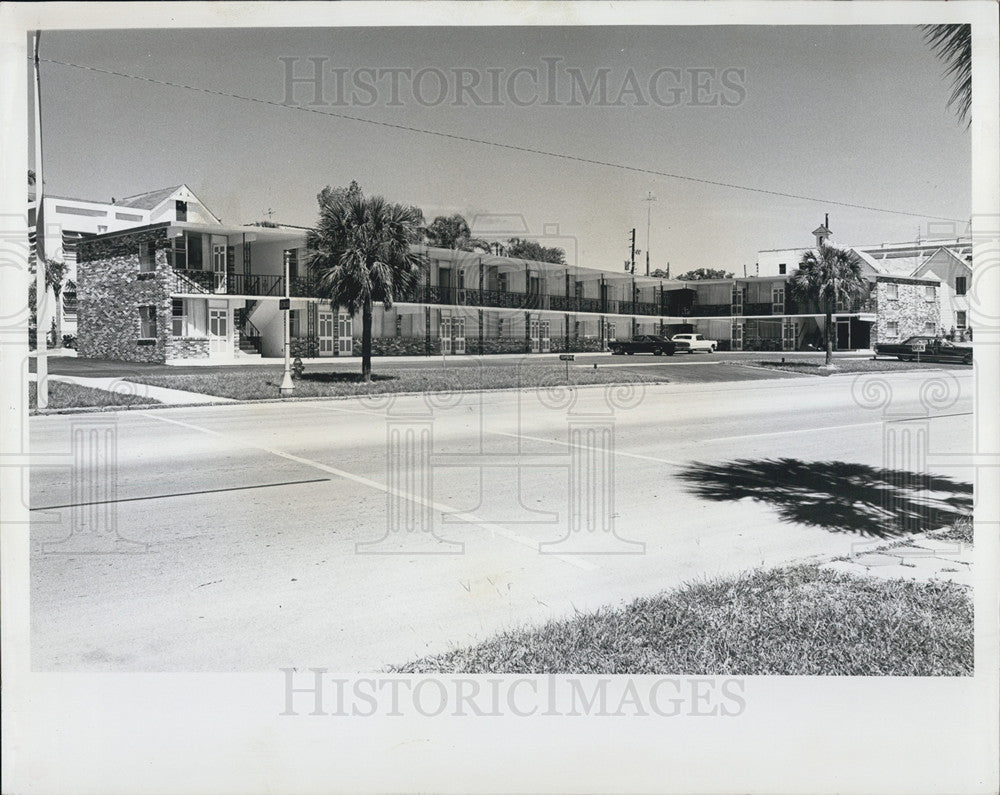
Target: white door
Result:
[534, 336]
[788, 335]
[446, 336]
[345, 335]
[324, 321]
[219, 267]
[219, 343]
[737, 338]
[546, 341]
[778, 301]
[610, 333]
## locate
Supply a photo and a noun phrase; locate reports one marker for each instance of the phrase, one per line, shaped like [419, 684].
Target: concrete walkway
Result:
[924, 559]
[177, 397]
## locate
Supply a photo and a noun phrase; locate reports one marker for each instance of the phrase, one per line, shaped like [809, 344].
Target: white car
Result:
[694, 342]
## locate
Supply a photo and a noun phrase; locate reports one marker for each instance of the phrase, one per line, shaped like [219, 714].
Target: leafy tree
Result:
[452, 231]
[826, 276]
[659, 273]
[328, 194]
[953, 45]
[360, 252]
[530, 249]
[705, 273]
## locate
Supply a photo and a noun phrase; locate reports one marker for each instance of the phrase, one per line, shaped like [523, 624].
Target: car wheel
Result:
[711, 349]
[968, 359]
[616, 351]
[901, 358]
[670, 353]
[630, 353]
[658, 352]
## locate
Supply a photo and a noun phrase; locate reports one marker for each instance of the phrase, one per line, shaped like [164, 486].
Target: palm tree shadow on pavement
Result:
[836, 495]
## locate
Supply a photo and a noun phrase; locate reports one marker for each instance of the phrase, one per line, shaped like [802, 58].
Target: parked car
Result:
[689, 343]
[643, 343]
[927, 349]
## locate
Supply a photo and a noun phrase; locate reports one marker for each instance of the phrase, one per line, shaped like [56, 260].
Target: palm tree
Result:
[953, 45]
[55, 274]
[827, 276]
[359, 253]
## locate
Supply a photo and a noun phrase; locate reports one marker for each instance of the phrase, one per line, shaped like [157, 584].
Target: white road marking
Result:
[724, 438]
[495, 529]
[580, 446]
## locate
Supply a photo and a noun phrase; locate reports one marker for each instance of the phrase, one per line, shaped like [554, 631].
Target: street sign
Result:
[284, 303]
[566, 357]
[919, 346]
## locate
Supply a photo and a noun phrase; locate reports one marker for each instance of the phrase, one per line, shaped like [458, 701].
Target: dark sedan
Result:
[644, 343]
[926, 349]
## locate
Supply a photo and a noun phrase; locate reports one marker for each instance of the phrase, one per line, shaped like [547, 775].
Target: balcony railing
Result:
[711, 310]
[211, 283]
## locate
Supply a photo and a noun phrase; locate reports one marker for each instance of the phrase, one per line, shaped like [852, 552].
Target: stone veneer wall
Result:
[187, 347]
[110, 292]
[911, 310]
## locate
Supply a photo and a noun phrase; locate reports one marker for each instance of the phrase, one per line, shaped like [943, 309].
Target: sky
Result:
[850, 115]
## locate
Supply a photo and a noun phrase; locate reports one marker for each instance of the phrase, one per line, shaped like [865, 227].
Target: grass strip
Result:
[262, 383]
[69, 396]
[797, 620]
[841, 366]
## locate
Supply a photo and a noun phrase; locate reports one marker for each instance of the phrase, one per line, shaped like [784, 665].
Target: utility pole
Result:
[632, 257]
[650, 198]
[41, 296]
[287, 387]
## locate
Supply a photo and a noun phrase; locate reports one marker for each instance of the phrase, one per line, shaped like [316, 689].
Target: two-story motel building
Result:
[182, 291]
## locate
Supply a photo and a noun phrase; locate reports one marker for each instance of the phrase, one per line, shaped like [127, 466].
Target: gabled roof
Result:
[155, 198]
[868, 260]
[926, 265]
[147, 201]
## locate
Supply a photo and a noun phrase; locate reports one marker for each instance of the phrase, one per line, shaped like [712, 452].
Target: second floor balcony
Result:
[205, 282]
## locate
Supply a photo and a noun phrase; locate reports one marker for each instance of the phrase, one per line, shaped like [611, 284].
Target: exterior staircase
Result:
[250, 337]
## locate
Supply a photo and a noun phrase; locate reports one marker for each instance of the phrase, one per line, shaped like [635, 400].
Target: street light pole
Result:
[650, 198]
[287, 385]
[41, 291]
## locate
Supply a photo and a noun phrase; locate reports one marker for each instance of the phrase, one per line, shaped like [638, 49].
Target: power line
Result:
[497, 144]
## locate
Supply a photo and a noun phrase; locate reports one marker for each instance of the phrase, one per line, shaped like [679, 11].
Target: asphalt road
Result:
[243, 522]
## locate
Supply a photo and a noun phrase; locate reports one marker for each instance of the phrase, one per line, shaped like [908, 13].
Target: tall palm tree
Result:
[825, 277]
[359, 253]
[953, 45]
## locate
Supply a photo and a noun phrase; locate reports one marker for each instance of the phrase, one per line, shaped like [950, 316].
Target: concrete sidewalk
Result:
[923, 558]
[160, 394]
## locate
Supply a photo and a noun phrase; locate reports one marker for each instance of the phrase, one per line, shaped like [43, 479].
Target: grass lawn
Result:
[69, 396]
[847, 365]
[262, 383]
[798, 620]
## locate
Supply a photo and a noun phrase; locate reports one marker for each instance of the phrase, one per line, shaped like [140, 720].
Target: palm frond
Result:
[953, 45]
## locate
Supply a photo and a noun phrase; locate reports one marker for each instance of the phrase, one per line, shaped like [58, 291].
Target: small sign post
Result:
[919, 347]
[567, 357]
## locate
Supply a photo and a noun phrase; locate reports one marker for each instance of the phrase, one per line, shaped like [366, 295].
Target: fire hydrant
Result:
[297, 368]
